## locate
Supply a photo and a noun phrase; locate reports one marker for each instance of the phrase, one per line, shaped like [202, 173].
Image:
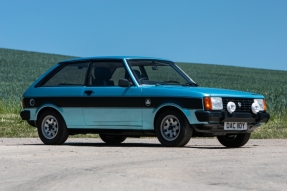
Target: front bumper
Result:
[25, 115]
[215, 122]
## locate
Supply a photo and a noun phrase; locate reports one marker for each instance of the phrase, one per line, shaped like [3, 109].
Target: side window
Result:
[119, 73]
[106, 73]
[69, 75]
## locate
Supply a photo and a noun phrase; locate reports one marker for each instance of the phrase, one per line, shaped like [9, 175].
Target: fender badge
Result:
[147, 102]
[32, 102]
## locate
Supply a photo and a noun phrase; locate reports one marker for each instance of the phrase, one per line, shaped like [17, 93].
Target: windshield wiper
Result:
[166, 82]
[171, 81]
[190, 84]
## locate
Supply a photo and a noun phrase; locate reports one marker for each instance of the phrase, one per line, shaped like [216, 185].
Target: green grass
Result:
[19, 69]
[11, 125]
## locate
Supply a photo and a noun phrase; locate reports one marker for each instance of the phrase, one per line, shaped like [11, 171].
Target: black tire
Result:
[234, 141]
[172, 129]
[112, 139]
[52, 128]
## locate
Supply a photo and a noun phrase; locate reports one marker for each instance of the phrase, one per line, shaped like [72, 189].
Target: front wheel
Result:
[234, 141]
[52, 128]
[172, 129]
[112, 139]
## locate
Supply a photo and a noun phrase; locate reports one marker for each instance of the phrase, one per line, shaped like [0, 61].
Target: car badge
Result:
[147, 102]
[239, 104]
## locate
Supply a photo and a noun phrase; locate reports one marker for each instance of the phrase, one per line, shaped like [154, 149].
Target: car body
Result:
[119, 97]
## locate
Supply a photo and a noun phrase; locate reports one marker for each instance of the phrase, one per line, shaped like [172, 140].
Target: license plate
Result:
[235, 126]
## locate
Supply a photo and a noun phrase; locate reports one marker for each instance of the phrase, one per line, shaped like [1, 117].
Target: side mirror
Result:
[154, 67]
[124, 82]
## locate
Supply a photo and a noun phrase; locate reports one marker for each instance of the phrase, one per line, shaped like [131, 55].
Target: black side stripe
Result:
[131, 102]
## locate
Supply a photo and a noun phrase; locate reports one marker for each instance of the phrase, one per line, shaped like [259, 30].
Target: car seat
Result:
[102, 77]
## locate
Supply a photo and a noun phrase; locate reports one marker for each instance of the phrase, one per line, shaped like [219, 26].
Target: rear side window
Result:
[69, 75]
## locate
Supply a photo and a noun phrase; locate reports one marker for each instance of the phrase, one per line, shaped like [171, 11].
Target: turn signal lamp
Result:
[23, 103]
[207, 103]
[265, 105]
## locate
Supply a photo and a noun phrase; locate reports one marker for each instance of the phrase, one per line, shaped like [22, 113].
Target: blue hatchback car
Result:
[120, 97]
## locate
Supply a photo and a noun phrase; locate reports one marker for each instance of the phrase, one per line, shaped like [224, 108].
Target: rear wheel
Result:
[172, 129]
[52, 128]
[113, 139]
[234, 141]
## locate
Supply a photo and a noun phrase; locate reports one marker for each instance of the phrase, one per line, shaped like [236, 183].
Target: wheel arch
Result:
[48, 107]
[175, 107]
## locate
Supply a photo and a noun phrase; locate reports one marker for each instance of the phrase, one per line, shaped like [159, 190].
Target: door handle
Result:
[89, 92]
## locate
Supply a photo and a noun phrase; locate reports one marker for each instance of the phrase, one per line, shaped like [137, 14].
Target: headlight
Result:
[213, 103]
[261, 103]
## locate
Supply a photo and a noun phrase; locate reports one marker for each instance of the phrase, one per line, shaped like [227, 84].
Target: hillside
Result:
[18, 69]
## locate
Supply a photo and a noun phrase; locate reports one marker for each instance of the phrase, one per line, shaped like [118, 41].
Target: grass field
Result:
[18, 69]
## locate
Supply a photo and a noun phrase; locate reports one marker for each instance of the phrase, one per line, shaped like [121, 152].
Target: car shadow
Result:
[114, 145]
[139, 145]
[213, 147]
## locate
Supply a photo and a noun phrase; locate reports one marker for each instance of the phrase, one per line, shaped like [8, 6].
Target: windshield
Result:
[155, 72]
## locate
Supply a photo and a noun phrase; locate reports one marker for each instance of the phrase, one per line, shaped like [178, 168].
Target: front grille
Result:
[245, 104]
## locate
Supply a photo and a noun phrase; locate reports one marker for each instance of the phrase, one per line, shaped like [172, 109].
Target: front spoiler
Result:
[223, 116]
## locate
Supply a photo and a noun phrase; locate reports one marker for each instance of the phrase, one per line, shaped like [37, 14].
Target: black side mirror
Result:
[124, 82]
[154, 67]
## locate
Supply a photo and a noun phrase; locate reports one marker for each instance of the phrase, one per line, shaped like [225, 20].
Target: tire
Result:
[52, 128]
[112, 139]
[234, 141]
[172, 129]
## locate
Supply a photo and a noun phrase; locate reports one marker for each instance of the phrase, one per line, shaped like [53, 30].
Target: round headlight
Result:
[255, 107]
[231, 107]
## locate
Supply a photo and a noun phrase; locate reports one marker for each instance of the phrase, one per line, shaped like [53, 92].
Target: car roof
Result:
[111, 58]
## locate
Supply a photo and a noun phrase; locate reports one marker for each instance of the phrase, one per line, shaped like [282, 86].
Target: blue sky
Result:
[247, 33]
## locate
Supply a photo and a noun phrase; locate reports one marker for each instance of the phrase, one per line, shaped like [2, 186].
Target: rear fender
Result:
[47, 106]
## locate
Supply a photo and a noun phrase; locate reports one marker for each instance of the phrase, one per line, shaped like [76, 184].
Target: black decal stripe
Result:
[112, 102]
[58, 101]
[191, 103]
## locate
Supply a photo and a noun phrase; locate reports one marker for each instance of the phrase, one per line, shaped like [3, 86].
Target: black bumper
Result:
[215, 122]
[223, 116]
[25, 115]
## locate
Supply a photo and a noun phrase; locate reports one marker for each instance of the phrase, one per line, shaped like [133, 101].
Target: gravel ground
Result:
[142, 164]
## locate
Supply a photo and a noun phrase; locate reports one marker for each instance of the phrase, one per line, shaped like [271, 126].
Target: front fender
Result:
[185, 111]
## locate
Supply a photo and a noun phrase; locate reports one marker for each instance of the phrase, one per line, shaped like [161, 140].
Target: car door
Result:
[105, 104]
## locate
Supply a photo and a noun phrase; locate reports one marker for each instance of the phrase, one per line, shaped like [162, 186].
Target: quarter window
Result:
[69, 75]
